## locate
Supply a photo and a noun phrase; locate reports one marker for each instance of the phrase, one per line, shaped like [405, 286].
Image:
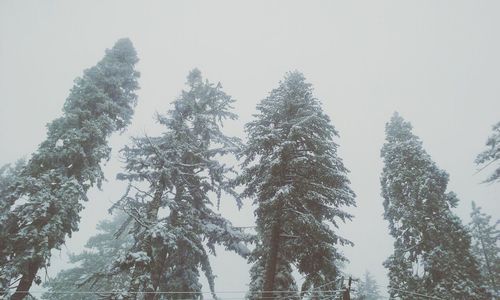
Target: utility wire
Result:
[160, 292]
[415, 294]
[325, 292]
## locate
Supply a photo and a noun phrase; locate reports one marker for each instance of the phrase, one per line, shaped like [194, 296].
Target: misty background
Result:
[435, 62]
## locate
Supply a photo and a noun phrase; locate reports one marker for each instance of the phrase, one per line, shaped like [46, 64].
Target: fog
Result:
[435, 62]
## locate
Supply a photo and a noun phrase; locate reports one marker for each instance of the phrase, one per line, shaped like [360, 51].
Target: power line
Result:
[289, 294]
[416, 294]
[161, 292]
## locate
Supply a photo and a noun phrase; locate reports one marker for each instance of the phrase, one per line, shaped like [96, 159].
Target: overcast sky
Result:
[436, 62]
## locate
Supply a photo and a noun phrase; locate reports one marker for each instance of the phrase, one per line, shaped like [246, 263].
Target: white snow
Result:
[59, 143]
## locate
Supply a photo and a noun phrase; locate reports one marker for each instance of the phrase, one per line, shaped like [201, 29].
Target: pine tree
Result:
[485, 238]
[172, 180]
[367, 288]
[42, 207]
[432, 248]
[91, 272]
[293, 173]
[492, 154]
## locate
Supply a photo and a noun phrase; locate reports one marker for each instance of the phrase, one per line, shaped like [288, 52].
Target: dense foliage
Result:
[431, 248]
[41, 207]
[300, 185]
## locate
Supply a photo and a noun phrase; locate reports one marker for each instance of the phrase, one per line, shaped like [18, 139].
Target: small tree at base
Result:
[485, 238]
[367, 288]
[91, 274]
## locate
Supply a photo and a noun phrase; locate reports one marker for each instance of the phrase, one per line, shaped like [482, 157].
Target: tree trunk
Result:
[156, 268]
[26, 281]
[155, 271]
[135, 283]
[272, 262]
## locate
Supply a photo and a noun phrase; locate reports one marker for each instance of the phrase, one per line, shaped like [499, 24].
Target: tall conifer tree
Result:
[42, 206]
[300, 186]
[432, 248]
[173, 179]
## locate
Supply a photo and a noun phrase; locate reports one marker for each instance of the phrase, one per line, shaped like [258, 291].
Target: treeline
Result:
[166, 224]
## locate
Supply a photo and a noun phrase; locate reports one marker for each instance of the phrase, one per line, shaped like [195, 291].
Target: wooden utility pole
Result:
[346, 294]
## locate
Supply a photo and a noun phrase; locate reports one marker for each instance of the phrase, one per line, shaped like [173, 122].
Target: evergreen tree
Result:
[367, 288]
[172, 180]
[432, 248]
[91, 272]
[492, 154]
[42, 206]
[485, 238]
[300, 185]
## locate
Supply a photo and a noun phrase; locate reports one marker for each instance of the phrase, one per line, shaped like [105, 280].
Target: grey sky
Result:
[436, 62]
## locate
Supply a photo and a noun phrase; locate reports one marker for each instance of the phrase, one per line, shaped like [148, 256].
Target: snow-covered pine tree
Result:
[91, 273]
[172, 181]
[432, 248]
[42, 206]
[492, 154]
[367, 288]
[300, 185]
[485, 238]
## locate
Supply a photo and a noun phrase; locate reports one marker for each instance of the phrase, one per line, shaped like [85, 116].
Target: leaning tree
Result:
[41, 207]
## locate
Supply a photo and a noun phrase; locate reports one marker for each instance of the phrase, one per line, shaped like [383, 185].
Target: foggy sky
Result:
[436, 62]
